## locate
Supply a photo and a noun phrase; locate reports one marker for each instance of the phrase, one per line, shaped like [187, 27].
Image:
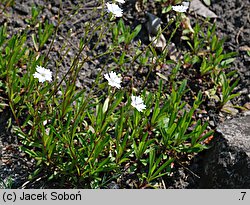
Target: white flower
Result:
[115, 9]
[138, 103]
[113, 79]
[180, 8]
[45, 122]
[185, 3]
[120, 1]
[43, 74]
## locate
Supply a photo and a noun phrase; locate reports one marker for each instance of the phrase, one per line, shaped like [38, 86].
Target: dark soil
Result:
[233, 24]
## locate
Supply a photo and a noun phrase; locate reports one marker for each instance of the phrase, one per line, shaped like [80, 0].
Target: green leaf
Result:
[30, 152]
[185, 38]
[35, 42]
[135, 32]
[214, 42]
[17, 99]
[162, 167]
[232, 96]
[101, 166]
[227, 61]
[162, 76]
[123, 160]
[166, 9]
[35, 173]
[105, 105]
[144, 162]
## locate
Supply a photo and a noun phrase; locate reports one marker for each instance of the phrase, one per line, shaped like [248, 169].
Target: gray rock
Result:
[153, 24]
[23, 10]
[237, 133]
[227, 162]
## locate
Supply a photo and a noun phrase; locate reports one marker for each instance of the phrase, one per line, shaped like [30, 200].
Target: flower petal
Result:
[43, 74]
[113, 79]
[137, 102]
[115, 9]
